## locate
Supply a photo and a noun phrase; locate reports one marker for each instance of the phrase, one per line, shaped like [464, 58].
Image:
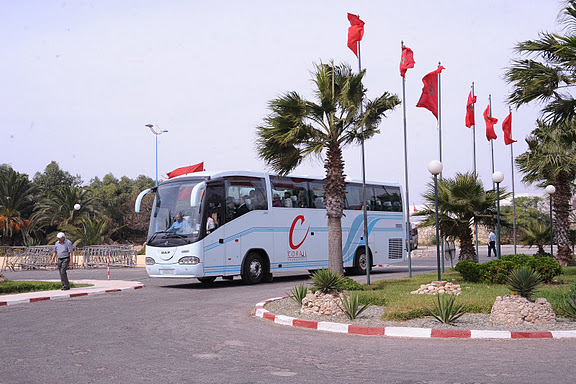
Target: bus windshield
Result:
[176, 217]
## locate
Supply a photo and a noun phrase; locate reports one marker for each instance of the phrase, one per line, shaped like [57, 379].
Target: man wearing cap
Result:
[63, 250]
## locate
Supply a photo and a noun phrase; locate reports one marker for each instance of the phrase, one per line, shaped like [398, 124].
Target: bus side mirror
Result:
[197, 194]
[140, 197]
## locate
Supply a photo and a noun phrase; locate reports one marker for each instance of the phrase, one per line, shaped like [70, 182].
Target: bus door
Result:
[213, 225]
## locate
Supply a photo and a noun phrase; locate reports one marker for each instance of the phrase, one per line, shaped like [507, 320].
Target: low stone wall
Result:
[319, 303]
[513, 309]
[438, 287]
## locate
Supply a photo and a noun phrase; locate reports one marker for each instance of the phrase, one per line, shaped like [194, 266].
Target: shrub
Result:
[326, 281]
[349, 284]
[524, 281]
[496, 271]
[470, 270]
[518, 259]
[351, 307]
[444, 310]
[546, 266]
[298, 293]
[569, 307]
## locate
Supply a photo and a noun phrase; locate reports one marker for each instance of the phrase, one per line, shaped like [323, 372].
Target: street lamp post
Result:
[156, 134]
[77, 208]
[435, 168]
[550, 189]
[498, 177]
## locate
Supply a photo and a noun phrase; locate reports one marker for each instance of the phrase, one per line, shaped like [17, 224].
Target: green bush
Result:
[524, 281]
[546, 266]
[518, 259]
[298, 293]
[351, 307]
[470, 270]
[569, 306]
[444, 309]
[496, 271]
[326, 281]
[349, 284]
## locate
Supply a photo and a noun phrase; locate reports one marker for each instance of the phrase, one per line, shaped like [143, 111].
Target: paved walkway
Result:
[98, 287]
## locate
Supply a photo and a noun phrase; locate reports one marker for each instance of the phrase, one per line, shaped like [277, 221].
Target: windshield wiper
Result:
[155, 234]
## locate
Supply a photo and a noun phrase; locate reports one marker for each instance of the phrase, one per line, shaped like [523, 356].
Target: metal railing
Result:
[38, 257]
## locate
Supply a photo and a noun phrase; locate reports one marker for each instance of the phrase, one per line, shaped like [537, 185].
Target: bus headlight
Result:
[150, 261]
[189, 260]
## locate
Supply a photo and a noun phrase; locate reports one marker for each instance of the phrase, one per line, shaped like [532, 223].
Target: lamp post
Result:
[156, 134]
[550, 189]
[77, 208]
[435, 168]
[498, 177]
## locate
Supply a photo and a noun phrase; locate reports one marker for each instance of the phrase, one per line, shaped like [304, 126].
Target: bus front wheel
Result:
[360, 262]
[253, 271]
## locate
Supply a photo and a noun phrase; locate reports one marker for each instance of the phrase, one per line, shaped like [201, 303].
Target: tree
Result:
[551, 158]
[461, 201]
[536, 234]
[16, 204]
[297, 129]
[89, 231]
[547, 75]
[53, 176]
[530, 211]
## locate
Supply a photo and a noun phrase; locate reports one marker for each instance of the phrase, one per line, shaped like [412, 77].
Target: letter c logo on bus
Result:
[299, 218]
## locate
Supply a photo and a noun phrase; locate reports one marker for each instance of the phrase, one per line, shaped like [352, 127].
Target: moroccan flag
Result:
[470, 110]
[429, 98]
[185, 170]
[407, 60]
[490, 121]
[355, 32]
[507, 128]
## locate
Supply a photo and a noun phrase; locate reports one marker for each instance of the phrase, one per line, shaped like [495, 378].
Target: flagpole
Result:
[491, 140]
[513, 194]
[440, 141]
[408, 228]
[475, 170]
[366, 248]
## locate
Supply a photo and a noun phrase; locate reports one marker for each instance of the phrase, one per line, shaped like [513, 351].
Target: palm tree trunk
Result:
[561, 206]
[467, 250]
[335, 191]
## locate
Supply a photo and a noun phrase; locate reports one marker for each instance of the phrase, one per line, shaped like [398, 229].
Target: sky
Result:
[81, 79]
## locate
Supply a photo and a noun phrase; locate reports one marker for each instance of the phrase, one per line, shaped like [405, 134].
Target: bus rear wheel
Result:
[360, 262]
[253, 271]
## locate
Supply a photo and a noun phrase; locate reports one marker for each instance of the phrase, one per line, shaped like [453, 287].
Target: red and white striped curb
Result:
[102, 287]
[404, 331]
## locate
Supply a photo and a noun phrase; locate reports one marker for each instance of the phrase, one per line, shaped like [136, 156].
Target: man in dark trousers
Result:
[63, 251]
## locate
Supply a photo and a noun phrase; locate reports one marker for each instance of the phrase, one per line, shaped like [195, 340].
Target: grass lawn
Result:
[10, 286]
[476, 297]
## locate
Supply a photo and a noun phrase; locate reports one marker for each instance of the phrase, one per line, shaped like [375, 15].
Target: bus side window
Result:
[214, 212]
[316, 189]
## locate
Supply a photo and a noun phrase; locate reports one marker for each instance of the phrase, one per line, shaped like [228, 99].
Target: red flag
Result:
[185, 170]
[429, 98]
[490, 121]
[507, 128]
[470, 110]
[407, 60]
[355, 32]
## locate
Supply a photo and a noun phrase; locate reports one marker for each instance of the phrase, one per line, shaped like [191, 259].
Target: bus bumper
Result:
[175, 271]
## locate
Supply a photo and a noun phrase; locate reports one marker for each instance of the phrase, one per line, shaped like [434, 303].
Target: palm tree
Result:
[461, 201]
[56, 208]
[90, 231]
[548, 76]
[551, 158]
[16, 201]
[297, 128]
[536, 234]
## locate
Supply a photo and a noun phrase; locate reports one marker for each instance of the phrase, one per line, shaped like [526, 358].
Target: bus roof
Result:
[248, 173]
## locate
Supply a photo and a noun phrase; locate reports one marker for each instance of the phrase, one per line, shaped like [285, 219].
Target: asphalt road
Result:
[177, 331]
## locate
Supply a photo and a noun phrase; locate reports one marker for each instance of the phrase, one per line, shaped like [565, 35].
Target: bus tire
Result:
[253, 270]
[360, 262]
[207, 279]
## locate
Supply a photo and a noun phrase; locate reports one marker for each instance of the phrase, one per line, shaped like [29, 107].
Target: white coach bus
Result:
[252, 224]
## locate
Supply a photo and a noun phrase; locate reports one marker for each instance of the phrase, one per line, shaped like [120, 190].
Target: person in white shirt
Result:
[491, 243]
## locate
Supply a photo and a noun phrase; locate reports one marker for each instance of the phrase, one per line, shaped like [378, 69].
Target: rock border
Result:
[404, 331]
